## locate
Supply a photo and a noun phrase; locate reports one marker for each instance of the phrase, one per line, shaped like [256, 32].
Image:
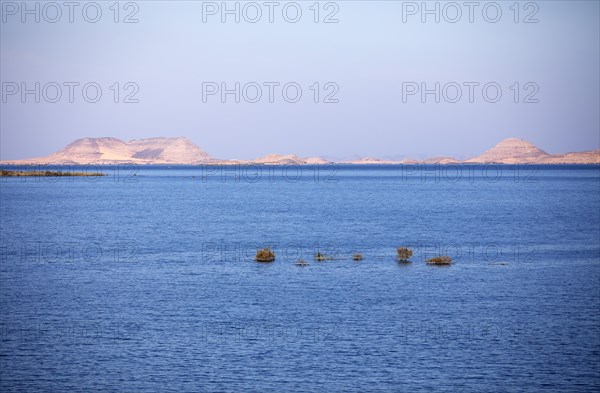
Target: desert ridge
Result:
[182, 151]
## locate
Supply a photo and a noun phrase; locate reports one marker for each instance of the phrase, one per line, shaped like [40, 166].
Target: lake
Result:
[144, 279]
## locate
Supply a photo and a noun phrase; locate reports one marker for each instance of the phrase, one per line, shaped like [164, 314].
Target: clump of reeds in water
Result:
[357, 257]
[403, 254]
[265, 255]
[441, 260]
[47, 173]
[322, 257]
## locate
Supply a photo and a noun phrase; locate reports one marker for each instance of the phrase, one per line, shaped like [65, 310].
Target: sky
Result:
[366, 69]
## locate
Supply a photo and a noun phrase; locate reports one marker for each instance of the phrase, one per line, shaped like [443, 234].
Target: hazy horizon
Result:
[328, 157]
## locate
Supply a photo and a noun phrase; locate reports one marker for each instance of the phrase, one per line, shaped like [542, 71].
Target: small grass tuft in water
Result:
[441, 260]
[357, 257]
[403, 254]
[265, 255]
[322, 257]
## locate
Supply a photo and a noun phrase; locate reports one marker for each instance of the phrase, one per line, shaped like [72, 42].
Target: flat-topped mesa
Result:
[583, 157]
[441, 160]
[168, 150]
[512, 151]
[316, 160]
[89, 150]
[371, 160]
[278, 159]
[115, 151]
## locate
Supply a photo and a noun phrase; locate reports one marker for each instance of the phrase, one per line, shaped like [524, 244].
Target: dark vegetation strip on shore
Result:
[47, 173]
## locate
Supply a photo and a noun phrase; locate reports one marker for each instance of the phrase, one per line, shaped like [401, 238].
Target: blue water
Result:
[143, 280]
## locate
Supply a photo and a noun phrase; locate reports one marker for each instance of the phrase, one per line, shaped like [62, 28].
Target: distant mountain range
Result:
[183, 151]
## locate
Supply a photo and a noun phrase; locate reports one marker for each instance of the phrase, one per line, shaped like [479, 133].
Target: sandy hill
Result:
[512, 151]
[371, 160]
[278, 159]
[441, 160]
[518, 151]
[115, 151]
[583, 157]
[168, 150]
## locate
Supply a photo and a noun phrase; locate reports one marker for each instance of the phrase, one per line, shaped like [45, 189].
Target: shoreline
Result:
[5, 173]
[250, 163]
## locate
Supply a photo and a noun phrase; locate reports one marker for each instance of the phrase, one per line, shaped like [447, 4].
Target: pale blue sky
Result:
[369, 54]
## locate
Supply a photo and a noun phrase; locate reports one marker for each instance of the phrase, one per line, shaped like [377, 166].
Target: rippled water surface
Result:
[144, 280]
